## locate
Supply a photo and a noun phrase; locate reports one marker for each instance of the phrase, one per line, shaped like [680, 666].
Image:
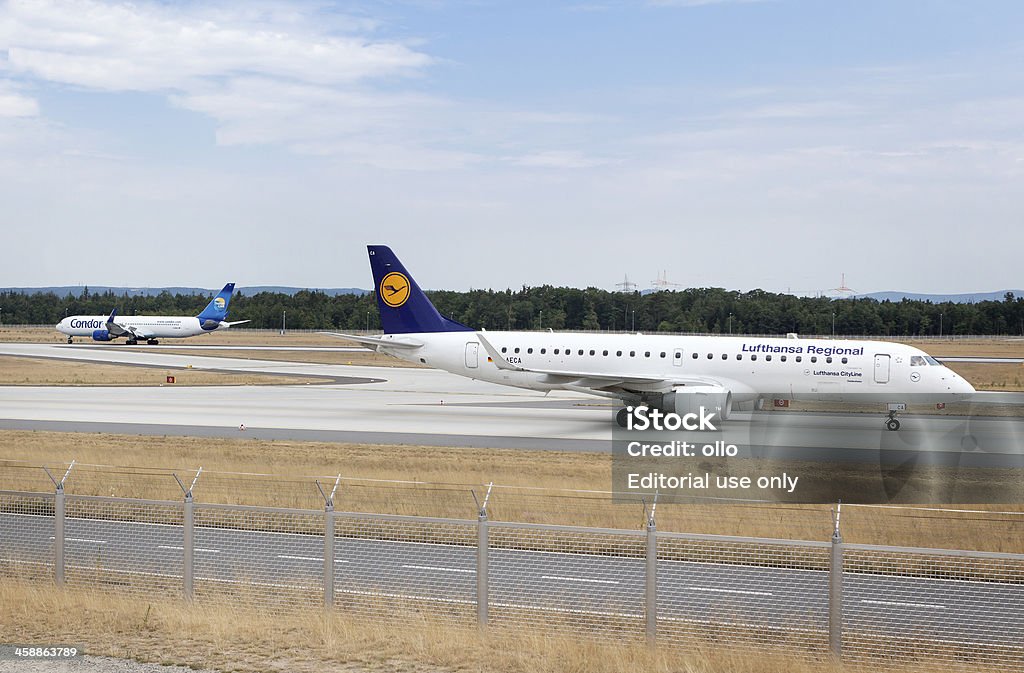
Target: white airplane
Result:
[668, 372]
[151, 328]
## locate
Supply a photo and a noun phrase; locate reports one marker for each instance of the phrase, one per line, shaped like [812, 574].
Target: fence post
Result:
[482, 550]
[329, 521]
[188, 547]
[58, 535]
[329, 555]
[835, 590]
[59, 518]
[482, 546]
[651, 581]
[188, 534]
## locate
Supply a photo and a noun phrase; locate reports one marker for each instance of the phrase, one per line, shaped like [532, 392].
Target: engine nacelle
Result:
[101, 335]
[689, 399]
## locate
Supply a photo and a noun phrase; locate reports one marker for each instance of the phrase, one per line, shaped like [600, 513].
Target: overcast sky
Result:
[772, 144]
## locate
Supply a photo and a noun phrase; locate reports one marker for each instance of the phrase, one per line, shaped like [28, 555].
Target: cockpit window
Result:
[932, 361]
[917, 361]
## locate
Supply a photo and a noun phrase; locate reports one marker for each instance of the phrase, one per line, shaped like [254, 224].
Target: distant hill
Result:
[966, 298]
[76, 290]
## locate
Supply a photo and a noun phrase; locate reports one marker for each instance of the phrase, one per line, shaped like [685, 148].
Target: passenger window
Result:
[768, 358]
[504, 349]
[581, 352]
[782, 357]
[694, 356]
[828, 359]
[753, 357]
[739, 356]
[814, 358]
[725, 356]
[632, 354]
[845, 361]
[592, 352]
[662, 353]
[529, 350]
[516, 350]
[618, 354]
[799, 358]
[556, 351]
[605, 353]
[543, 351]
[710, 356]
[647, 354]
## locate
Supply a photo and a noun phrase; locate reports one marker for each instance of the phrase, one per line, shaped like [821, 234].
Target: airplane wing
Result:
[237, 322]
[117, 329]
[376, 341]
[595, 382]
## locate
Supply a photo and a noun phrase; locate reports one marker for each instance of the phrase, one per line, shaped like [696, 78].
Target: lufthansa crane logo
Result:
[394, 289]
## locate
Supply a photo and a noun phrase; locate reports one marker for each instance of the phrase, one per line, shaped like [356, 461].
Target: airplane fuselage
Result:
[156, 327]
[750, 368]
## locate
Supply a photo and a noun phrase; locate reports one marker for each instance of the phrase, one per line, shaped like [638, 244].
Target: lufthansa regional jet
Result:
[151, 328]
[672, 373]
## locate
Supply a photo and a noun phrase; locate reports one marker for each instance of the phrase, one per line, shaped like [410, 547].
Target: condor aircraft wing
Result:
[117, 329]
[595, 381]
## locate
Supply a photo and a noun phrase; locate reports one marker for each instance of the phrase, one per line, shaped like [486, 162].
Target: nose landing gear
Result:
[891, 423]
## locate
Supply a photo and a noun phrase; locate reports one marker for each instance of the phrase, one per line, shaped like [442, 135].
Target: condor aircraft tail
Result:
[404, 309]
[216, 311]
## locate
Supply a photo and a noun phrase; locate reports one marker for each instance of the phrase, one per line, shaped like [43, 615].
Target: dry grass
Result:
[1009, 347]
[241, 638]
[21, 371]
[533, 487]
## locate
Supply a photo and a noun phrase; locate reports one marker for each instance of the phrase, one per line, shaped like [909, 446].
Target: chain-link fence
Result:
[871, 605]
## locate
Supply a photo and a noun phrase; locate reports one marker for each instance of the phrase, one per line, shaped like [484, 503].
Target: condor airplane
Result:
[668, 372]
[151, 328]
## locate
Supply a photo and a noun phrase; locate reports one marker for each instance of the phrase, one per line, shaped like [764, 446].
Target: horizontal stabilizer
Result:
[376, 341]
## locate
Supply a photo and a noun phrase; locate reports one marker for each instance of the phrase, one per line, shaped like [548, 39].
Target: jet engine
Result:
[689, 399]
[101, 335]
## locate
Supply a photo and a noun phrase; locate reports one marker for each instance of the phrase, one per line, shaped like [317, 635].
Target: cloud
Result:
[556, 159]
[149, 47]
[267, 72]
[15, 104]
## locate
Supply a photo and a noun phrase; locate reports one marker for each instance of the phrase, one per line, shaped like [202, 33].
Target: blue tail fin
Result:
[217, 309]
[404, 309]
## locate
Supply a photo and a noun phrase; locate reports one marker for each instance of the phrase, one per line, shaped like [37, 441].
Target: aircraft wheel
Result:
[892, 424]
[620, 417]
[70, 340]
[153, 342]
[131, 343]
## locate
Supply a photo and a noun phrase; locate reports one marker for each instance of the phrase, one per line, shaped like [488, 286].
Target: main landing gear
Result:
[892, 424]
[152, 342]
[70, 340]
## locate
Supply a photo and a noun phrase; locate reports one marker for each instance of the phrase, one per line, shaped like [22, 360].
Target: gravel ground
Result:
[88, 664]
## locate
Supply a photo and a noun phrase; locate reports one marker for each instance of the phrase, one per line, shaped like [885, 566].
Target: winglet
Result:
[494, 356]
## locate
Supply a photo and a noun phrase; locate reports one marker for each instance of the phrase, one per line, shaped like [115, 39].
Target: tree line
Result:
[561, 308]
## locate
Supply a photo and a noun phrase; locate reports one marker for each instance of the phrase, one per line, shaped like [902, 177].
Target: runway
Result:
[435, 408]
